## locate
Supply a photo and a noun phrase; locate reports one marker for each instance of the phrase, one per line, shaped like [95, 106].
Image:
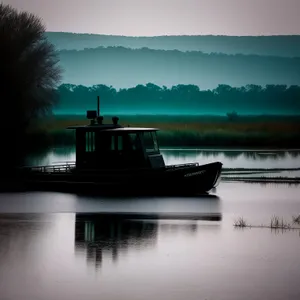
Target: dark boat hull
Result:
[171, 180]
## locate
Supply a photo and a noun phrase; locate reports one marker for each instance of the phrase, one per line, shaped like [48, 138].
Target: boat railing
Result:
[70, 166]
[168, 168]
[55, 168]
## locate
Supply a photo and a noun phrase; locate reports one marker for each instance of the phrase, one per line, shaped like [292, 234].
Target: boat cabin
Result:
[112, 146]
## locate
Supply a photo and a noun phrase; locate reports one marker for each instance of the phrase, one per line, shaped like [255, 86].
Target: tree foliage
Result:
[182, 99]
[29, 73]
[29, 67]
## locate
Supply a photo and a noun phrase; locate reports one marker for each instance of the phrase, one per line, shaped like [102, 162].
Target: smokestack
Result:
[98, 106]
[115, 120]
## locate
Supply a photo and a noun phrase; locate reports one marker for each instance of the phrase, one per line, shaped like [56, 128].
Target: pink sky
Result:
[167, 17]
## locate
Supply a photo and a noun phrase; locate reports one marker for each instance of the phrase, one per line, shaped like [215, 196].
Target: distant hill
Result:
[282, 46]
[122, 67]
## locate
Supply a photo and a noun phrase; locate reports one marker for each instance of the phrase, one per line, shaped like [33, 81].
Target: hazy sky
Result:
[167, 17]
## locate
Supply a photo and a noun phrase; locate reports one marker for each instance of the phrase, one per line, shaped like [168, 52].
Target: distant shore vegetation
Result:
[191, 131]
[250, 116]
[181, 99]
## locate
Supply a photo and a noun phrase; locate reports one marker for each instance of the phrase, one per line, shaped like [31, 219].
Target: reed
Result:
[200, 130]
[296, 219]
[275, 223]
[240, 222]
[263, 179]
[177, 138]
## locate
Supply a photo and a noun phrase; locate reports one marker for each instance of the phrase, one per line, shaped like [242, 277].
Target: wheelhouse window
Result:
[150, 141]
[120, 143]
[127, 142]
[110, 142]
[134, 141]
[105, 142]
[116, 143]
[90, 141]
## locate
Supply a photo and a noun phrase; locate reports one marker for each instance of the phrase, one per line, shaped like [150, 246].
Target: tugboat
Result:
[115, 159]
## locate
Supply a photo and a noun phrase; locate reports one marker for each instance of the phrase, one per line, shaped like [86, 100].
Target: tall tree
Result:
[29, 75]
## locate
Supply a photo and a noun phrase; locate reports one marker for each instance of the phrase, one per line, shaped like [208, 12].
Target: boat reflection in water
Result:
[109, 234]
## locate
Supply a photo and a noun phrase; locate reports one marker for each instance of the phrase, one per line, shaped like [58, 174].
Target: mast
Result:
[99, 118]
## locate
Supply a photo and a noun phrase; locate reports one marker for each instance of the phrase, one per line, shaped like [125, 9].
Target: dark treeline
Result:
[181, 99]
[29, 78]
[123, 68]
[285, 46]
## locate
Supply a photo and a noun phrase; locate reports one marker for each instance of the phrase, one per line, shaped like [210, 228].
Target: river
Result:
[49, 248]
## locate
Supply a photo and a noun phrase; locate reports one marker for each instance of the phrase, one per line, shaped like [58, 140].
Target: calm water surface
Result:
[229, 158]
[251, 159]
[47, 251]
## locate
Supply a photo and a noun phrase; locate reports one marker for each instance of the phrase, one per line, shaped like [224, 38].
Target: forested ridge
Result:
[122, 68]
[281, 45]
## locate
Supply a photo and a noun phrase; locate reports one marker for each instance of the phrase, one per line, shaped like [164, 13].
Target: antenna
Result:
[99, 118]
[98, 106]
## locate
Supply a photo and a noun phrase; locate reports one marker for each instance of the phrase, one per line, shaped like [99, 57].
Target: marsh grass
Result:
[181, 123]
[275, 223]
[263, 179]
[267, 170]
[177, 138]
[296, 219]
[240, 222]
[197, 131]
[247, 173]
